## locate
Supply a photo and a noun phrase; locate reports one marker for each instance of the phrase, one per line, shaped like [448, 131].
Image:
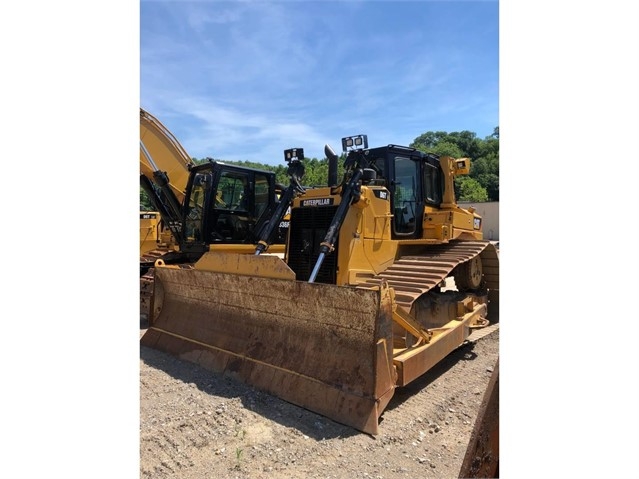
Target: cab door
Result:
[230, 219]
[406, 201]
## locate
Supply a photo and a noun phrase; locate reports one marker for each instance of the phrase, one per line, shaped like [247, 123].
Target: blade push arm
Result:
[295, 173]
[354, 164]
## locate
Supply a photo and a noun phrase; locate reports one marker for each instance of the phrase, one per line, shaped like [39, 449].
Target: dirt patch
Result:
[194, 424]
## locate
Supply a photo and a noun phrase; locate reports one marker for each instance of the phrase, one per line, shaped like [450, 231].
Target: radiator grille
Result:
[308, 229]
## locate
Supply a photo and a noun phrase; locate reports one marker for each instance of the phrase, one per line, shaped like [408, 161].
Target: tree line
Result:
[482, 184]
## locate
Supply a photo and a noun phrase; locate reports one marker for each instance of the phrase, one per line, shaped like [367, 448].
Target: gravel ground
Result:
[194, 424]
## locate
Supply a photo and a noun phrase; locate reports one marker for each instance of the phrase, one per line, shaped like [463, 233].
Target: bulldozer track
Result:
[412, 276]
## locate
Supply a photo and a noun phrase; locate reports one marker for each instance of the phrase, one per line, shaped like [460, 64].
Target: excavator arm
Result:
[164, 171]
[161, 152]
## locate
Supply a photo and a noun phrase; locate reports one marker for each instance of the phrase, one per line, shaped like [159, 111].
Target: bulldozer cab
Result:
[414, 180]
[224, 203]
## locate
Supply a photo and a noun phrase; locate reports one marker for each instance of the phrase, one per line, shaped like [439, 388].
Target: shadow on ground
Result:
[263, 404]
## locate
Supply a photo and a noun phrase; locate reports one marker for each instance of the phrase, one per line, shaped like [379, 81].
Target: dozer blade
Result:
[322, 347]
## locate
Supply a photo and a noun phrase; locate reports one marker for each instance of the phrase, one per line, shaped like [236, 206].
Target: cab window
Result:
[195, 213]
[404, 197]
[432, 185]
[232, 192]
[261, 194]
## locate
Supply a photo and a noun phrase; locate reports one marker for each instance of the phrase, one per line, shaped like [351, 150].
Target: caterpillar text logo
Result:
[318, 202]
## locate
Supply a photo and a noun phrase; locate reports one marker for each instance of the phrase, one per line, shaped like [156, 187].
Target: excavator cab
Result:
[203, 207]
[200, 208]
[224, 204]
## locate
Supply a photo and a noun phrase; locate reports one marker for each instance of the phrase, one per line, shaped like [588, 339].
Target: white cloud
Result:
[244, 80]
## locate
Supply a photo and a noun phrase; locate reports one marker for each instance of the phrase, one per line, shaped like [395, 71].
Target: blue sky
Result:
[246, 80]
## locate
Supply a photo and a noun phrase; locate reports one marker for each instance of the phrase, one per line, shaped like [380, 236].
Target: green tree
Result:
[486, 171]
[446, 148]
[466, 141]
[490, 182]
[484, 156]
[145, 202]
[426, 141]
[315, 171]
[470, 189]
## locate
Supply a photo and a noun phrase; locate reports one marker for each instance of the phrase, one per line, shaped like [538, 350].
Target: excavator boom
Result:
[161, 151]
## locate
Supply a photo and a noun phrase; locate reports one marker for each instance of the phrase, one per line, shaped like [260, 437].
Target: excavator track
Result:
[147, 282]
[146, 291]
[147, 279]
[413, 276]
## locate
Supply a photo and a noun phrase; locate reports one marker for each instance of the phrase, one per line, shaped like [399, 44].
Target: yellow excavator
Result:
[160, 154]
[362, 302]
[228, 209]
[153, 234]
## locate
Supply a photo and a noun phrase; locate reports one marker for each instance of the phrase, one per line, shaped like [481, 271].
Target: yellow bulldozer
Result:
[363, 301]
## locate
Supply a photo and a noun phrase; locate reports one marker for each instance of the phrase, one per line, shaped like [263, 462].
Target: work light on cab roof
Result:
[354, 142]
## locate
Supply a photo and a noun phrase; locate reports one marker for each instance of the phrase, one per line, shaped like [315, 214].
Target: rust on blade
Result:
[266, 265]
[322, 347]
